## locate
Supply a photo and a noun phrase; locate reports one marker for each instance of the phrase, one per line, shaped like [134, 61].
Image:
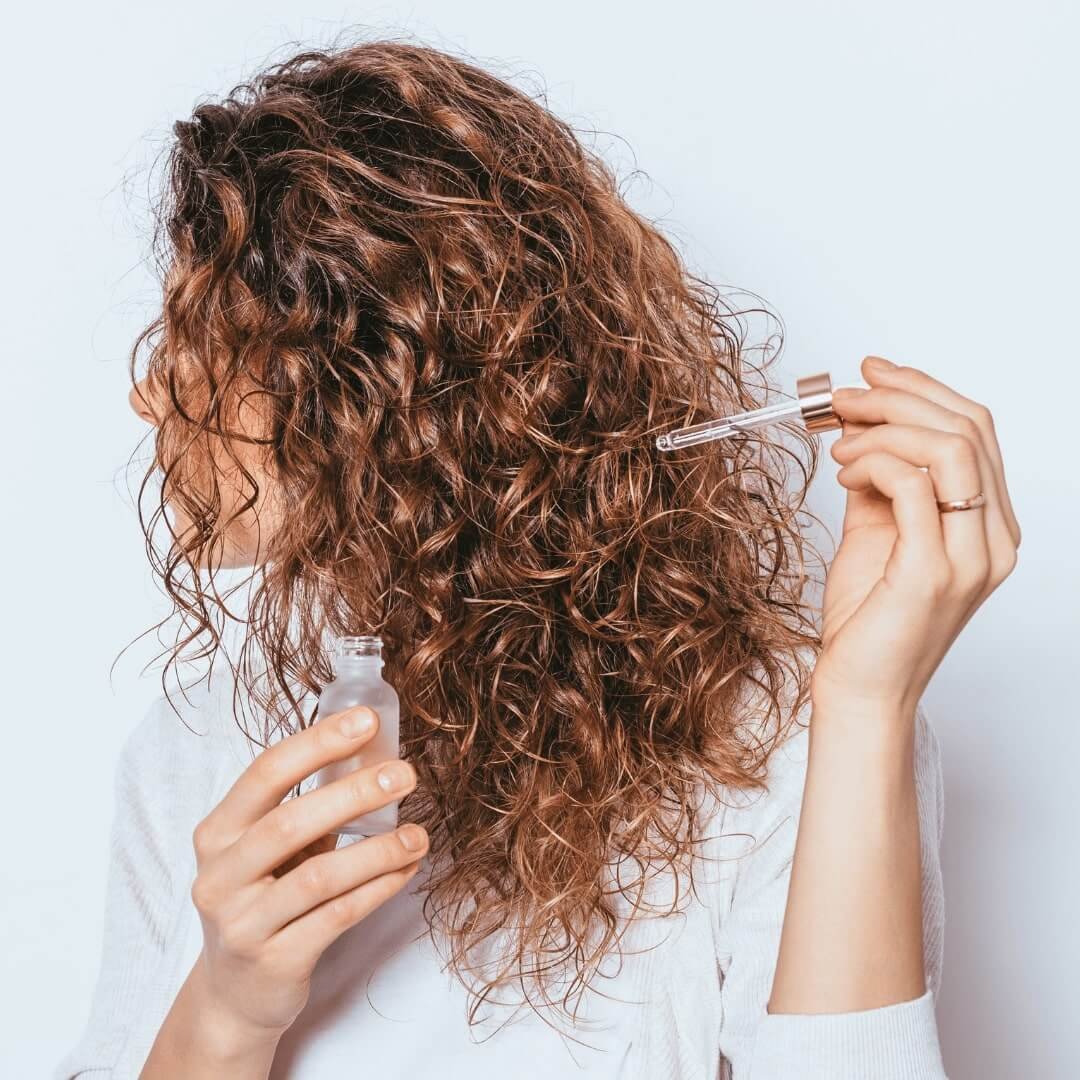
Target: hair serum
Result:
[358, 680]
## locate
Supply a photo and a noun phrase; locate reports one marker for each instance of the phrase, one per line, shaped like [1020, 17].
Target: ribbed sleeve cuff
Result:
[895, 1042]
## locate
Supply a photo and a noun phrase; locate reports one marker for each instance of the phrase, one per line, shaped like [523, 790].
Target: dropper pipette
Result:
[812, 405]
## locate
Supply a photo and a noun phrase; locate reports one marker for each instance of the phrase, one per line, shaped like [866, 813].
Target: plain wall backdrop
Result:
[893, 179]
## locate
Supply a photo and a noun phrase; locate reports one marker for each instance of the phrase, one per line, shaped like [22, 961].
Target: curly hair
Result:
[464, 343]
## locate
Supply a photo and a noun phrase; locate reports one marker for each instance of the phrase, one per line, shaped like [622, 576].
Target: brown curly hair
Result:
[464, 342]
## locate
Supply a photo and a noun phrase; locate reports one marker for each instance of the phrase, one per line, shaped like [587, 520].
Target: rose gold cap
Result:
[815, 403]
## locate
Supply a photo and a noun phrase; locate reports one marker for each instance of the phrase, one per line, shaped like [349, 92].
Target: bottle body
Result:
[358, 681]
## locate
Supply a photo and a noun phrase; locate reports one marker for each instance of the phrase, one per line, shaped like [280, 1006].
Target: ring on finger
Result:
[946, 506]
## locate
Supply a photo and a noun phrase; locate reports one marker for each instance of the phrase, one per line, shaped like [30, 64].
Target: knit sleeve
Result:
[895, 1042]
[141, 885]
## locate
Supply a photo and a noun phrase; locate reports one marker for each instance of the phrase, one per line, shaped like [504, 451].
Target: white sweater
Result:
[690, 1006]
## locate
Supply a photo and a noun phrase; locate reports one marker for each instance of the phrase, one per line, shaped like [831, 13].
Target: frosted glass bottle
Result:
[358, 681]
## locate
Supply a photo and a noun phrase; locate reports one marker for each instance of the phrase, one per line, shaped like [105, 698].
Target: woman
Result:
[413, 354]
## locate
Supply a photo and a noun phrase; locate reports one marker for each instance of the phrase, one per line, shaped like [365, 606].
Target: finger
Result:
[323, 877]
[294, 824]
[953, 467]
[265, 782]
[919, 382]
[887, 404]
[305, 939]
[919, 551]
[853, 428]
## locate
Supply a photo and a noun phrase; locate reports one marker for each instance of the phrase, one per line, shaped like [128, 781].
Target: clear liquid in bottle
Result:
[358, 680]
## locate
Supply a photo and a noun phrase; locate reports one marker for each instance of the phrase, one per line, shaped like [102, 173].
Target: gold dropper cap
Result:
[815, 403]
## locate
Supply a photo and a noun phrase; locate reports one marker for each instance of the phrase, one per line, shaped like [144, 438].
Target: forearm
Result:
[196, 1041]
[852, 935]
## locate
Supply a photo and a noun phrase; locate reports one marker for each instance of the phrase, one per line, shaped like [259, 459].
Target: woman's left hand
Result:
[906, 577]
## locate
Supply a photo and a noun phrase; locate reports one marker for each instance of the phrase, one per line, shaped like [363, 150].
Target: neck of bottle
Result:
[357, 665]
[358, 655]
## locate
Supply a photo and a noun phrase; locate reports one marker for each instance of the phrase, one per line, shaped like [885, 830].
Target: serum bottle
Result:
[358, 680]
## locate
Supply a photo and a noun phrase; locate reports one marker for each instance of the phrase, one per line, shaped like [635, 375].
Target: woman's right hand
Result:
[264, 933]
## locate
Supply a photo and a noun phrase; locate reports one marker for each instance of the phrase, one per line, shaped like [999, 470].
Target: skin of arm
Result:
[199, 1041]
[905, 580]
[852, 936]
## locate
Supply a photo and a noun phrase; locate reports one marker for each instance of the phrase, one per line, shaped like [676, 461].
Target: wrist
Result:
[836, 688]
[224, 1036]
[855, 715]
[228, 1041]
[872, 738]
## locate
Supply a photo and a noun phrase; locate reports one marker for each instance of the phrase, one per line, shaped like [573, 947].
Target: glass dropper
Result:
[812, 405]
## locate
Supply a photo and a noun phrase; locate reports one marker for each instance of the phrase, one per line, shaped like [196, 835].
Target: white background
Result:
[896, 179]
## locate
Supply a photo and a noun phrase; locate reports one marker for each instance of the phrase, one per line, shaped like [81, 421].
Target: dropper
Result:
[812, 405]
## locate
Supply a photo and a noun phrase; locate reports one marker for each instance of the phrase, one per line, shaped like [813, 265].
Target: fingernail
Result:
[411, 837]
[394, 775]
[357, 723]
[880, 362]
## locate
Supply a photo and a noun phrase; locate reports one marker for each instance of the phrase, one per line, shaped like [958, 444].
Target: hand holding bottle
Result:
[263, 934]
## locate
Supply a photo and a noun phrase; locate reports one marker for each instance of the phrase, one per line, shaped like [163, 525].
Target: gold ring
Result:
[948, 505]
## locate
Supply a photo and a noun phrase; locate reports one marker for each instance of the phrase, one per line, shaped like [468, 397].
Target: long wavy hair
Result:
[464, 341]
